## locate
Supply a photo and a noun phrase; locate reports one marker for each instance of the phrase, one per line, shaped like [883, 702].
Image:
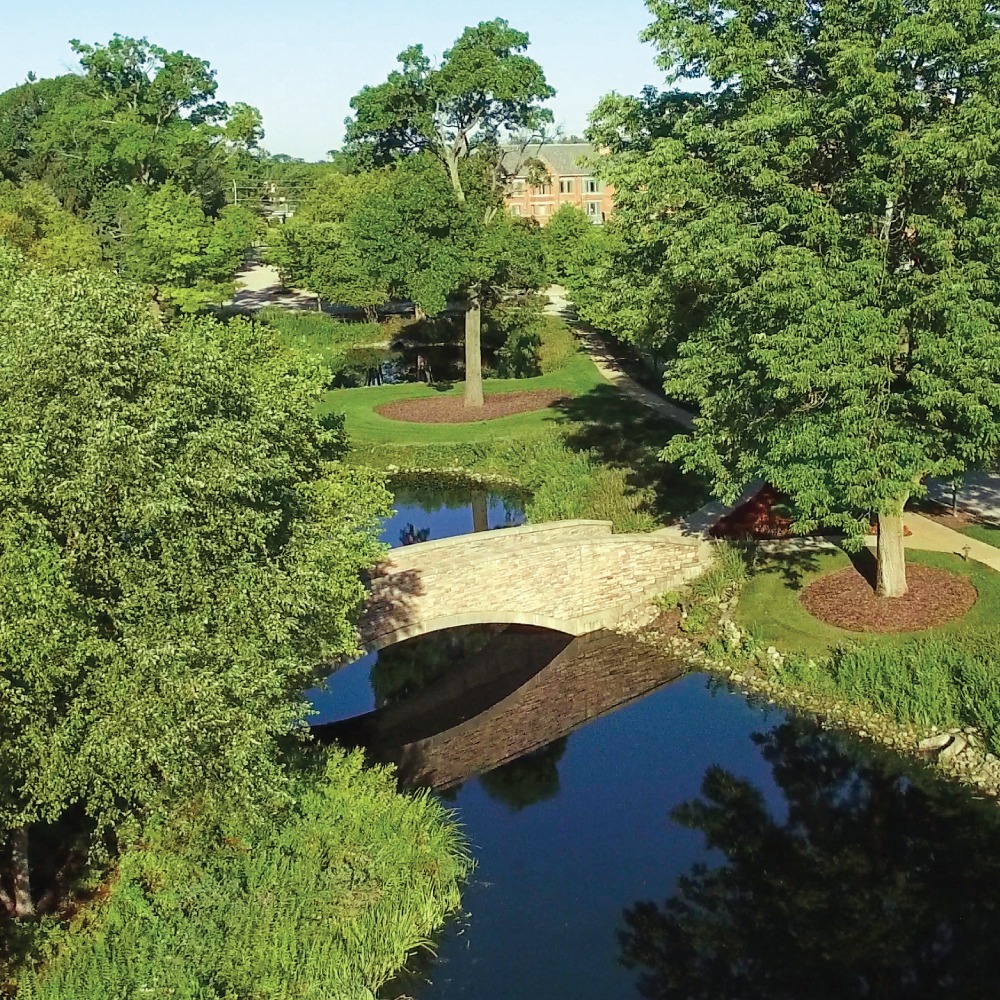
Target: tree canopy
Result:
[484, 93]
[821, 233]
[136, 149]
[179, 549]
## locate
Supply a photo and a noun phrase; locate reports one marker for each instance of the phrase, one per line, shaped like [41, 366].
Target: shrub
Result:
[696, 620]
[669, 601]
[558, 345]
[533, 343]
[321, 335]
[325, 901]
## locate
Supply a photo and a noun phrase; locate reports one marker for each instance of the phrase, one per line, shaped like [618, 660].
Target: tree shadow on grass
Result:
[792, 562]
[625, 434]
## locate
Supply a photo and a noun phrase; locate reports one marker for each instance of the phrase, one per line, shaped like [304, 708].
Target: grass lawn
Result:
[770, 602]
[988, 533]
[578, 378]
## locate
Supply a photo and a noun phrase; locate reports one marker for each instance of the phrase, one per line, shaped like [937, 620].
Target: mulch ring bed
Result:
[847, 600]
[452, 410]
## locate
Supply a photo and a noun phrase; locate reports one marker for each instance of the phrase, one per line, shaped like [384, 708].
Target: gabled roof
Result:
[562, 158]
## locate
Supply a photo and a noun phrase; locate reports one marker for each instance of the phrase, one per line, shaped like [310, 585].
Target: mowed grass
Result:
[988, 533]
[364, 425]
[770, 603]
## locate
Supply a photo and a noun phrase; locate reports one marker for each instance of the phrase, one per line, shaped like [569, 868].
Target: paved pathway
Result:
[608, 365]
[930, 534]
[979, 494]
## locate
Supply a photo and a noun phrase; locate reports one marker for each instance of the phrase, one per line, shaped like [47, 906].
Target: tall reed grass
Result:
[325, 902]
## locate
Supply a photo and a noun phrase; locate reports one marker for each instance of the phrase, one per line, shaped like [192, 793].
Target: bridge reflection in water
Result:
[527, 688]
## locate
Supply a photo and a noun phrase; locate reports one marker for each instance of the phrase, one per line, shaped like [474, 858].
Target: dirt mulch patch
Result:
[451, 409]
[846, 599]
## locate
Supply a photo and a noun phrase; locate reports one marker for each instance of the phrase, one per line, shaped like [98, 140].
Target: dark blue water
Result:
[552, 879]
[693, 846]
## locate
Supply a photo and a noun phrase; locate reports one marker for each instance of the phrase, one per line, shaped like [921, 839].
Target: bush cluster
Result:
[536, 344]
[326, 900]
[926, 682]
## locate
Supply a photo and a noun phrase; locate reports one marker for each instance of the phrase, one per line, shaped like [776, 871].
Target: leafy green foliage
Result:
[924, 682]
[484, 89]
[457, 115]
[179, 547]
[821, 233]
[171, 244]
[325, 899]
[139, 116]
[33, 221]
[138, 147]
[533, 343]
[567, 232]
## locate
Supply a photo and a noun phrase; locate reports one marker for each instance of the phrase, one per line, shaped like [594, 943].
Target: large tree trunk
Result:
[891, 555]
[473, 351]
[24, 904]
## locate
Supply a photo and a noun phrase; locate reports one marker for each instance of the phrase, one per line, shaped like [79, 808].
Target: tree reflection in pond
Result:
[869, 886]
[408, 667]
[528, 780]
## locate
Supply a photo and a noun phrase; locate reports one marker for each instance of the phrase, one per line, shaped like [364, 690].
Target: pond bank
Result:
[959, 749]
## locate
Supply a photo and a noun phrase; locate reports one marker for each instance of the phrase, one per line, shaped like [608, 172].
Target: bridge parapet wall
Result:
[572, 576]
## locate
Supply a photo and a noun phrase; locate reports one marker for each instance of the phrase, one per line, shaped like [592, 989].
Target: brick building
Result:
[569, 183]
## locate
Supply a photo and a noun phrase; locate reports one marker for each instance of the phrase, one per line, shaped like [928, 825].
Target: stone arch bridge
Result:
[568, 576]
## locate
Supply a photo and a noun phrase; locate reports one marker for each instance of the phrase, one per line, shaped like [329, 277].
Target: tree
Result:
[179, 548]
[484, 91]
[317, 248]
[823, 226]
[398, 232]
[567, 232]
[32, 220]
[861, 882]
[186, 256]
[141, 116]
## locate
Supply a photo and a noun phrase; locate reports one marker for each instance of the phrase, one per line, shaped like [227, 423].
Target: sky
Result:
[301, 61]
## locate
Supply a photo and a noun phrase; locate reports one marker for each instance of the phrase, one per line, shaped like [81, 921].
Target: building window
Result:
[515, 209]
[544, 189]
[541, 209]
[594, 210]
[566, 185]
[591, 186]
[518, 187]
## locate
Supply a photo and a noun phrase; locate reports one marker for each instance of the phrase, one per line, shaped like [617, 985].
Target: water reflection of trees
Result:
[408, 667]
[870, 887]
[528, 780]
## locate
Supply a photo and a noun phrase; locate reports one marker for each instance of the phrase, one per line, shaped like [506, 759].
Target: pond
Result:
[686, 843]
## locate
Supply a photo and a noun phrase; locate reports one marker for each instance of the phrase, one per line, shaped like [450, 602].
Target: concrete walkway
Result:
[609, 367]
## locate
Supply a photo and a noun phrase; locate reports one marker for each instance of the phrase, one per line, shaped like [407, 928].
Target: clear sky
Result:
[301, 61]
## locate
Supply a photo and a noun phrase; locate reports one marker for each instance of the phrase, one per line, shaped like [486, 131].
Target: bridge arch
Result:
[469, 619]
[567, 576]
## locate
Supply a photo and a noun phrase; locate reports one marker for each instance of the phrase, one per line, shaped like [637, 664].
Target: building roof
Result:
[562, 158]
